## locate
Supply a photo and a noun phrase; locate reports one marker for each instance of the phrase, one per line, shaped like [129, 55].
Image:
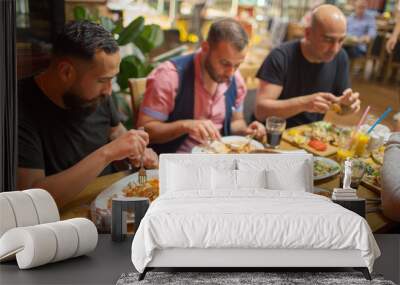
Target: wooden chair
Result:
[248, 72]
[393, 62]
[137, 87]
[375, 55]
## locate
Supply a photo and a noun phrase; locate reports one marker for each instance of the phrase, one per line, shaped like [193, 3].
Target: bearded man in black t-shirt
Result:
[300, 80]
[68, 127]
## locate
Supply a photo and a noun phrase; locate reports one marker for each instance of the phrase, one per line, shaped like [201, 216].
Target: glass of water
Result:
[275, 127]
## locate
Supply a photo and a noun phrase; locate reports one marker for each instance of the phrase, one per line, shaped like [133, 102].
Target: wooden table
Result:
[80, 206]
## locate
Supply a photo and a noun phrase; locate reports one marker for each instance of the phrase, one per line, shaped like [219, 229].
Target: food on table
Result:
[317, 145]
[233, 147]
[294, 132]
[323, 167]
[149, 190]
[300, 140]
[372, 174]
[336, 108]
[324, 132]
[377, 155]
[342, 154]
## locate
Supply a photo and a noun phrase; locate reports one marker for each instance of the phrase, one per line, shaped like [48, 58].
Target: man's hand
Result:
[201, 130]
[257, 129]
[130, 144]
[391, 43]
[319, 102]
[350, 100]
[150, 159]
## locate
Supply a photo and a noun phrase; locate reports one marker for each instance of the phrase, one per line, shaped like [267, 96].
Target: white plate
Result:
[229, 139]
[331, 163]
[101, 215]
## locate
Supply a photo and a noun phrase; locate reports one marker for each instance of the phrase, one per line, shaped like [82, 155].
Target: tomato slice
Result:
[317, 145]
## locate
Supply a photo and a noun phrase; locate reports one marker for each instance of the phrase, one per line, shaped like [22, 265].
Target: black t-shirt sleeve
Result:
[273, 68]
[114, 115]
[30, 152]
[342, 80]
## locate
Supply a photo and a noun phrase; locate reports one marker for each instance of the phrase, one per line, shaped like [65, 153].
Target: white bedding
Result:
[252, 218]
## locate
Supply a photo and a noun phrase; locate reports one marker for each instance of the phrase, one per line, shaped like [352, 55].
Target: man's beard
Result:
[211, 72]
[80, 107]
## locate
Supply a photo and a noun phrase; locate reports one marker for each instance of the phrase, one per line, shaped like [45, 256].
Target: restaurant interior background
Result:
[178, 27]
[175, 27]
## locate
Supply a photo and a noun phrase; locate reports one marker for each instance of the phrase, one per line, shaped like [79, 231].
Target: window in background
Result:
[37, 23]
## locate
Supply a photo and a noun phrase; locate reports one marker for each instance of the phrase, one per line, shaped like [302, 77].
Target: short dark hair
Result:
[82, 39]
[228, 30]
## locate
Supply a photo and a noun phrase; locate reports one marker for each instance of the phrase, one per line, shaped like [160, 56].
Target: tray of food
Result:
[126, 187]
[372, 176]
[319, 138]
[230, 144]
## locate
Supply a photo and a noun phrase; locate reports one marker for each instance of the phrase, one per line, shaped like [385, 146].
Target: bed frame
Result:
[256, 258]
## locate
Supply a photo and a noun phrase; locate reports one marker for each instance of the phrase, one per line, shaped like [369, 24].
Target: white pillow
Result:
[251, 178]
[182, 177]
[292, 179]
[223, 179]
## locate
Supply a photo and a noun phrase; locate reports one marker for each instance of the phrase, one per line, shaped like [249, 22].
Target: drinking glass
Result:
[275, 126]
[344, 144]
[357, 172]
[360, 144]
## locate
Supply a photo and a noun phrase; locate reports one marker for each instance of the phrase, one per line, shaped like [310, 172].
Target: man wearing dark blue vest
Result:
[199, 97]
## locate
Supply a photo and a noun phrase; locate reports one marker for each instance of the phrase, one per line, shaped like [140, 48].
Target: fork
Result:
[142, 175]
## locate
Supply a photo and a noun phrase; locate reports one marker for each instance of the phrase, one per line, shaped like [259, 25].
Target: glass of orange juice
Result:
[344, 145]
[360, 144]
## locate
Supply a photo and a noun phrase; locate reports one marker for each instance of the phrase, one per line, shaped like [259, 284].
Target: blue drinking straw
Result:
[388, 110]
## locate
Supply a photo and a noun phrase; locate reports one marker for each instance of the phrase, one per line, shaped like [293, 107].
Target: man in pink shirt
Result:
[195, 98]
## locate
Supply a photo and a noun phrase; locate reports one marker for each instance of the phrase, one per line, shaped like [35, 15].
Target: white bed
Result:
[214, 211]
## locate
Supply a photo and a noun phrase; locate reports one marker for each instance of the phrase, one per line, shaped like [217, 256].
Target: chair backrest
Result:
[376, 48]
[137, 87]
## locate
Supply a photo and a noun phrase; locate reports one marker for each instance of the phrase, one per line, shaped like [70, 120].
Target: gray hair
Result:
[228, 30]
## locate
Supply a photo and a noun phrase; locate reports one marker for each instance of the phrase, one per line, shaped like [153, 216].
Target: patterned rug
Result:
[243, 278]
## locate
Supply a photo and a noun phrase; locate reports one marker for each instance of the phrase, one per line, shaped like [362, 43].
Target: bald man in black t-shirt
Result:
[301, 80]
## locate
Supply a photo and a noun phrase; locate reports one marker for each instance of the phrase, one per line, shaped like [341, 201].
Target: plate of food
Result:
[320, 138]
[126, 187]
[230, 144]
[325, 167]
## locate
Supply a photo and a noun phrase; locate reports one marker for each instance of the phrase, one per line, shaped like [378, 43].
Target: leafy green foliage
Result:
[131, 32]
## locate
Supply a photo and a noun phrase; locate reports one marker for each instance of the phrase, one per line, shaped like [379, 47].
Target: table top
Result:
[104, 265]
[80, 206]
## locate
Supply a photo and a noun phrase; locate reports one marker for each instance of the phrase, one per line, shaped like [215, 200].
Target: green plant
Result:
[141, 38]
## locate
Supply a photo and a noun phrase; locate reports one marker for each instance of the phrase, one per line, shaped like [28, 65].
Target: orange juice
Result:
[342, 154]
[360, 144]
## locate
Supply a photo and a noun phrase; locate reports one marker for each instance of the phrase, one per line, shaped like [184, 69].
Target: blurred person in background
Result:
[361, 29]
[391, 43]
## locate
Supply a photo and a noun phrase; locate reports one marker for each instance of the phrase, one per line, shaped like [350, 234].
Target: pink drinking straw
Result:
[363, 118]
